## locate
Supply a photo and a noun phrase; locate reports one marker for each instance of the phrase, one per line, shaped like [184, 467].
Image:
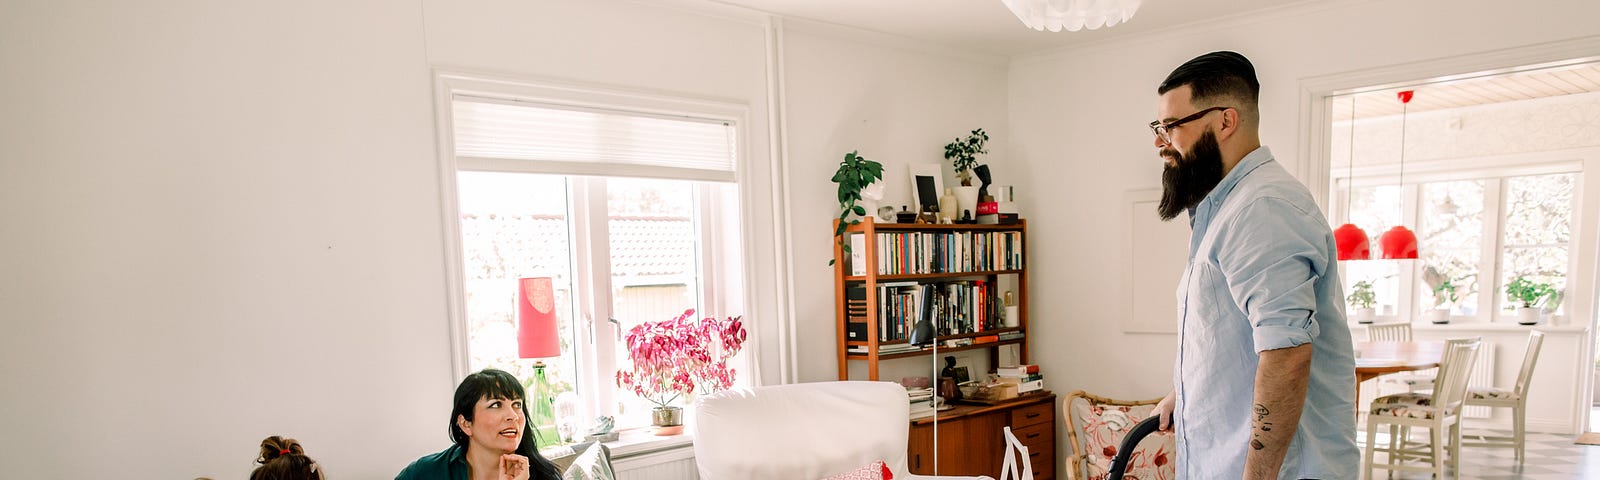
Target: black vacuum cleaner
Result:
[1119, 462]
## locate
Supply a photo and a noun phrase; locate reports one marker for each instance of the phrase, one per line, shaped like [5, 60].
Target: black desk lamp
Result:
[923, 334]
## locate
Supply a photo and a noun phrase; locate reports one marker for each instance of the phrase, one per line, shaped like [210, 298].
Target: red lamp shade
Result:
[1351, 242]
[536, 319]
[1398, 244]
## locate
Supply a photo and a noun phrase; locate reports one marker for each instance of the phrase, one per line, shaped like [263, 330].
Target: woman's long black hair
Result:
[492, 383]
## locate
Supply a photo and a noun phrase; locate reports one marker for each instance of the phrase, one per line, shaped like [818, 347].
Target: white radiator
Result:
[1482, 376]
[673, 464]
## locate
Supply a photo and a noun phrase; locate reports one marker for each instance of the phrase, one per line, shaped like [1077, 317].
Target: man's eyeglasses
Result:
[1163, 131]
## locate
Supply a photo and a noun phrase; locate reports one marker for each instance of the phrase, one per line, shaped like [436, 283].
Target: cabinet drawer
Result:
[1034, 435]
[1042, 412]
[1043, 458]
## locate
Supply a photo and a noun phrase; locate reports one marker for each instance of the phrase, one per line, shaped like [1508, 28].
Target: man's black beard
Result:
[1186, 182]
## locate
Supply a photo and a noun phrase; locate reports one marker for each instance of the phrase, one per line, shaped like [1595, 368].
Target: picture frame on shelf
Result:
[927, 183]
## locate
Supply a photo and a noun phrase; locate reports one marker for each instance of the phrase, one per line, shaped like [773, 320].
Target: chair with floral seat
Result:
[1439, 412]
[1515, 398]
[1096, 426]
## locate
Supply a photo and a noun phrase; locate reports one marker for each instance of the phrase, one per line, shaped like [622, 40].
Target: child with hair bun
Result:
[284, 459]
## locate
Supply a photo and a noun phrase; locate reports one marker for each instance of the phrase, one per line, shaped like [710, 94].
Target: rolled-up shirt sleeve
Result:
[1272, 269]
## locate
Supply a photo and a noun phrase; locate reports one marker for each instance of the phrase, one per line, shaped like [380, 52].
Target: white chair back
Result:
[1455, 370]
[1016, 453]
[1389, 332]
[1535, 341]
[802, 430]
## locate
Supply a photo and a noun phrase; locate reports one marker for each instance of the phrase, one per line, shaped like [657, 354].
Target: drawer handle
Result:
[1033, 435]
[1033, 454]
[1034, 414]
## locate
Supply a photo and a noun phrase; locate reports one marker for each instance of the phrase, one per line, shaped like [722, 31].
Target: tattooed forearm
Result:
[1280, 394]
[1261, 425]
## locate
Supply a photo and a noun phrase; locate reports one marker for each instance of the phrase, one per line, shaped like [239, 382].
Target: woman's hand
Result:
[513, 467]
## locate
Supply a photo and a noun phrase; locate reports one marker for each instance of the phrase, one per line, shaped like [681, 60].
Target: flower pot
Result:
[1527, 315]
[1439, 315]
[667, 420]
[1366, 315]
[966, 201]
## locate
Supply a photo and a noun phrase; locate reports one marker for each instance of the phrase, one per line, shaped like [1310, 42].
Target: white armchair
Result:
[802, 431]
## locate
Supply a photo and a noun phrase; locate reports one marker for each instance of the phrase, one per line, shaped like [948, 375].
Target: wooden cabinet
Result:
[972, 442]
[891, 262]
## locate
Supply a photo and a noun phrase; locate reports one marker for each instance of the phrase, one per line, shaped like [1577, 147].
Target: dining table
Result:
[1379, 358]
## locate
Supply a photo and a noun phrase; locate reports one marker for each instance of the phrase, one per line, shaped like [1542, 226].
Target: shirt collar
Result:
[1258, 157]
[455, 454]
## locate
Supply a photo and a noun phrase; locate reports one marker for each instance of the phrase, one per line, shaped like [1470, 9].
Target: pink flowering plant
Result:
[677, 357]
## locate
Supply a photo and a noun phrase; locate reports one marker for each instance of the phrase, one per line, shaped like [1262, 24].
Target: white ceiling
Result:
[986, 26]
[1476, 90]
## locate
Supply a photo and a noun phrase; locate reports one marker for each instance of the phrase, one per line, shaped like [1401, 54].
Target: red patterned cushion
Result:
[1103, 429]
[872, 471]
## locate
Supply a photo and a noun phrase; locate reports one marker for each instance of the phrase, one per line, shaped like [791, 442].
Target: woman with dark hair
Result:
[491, 434]
[284, 459]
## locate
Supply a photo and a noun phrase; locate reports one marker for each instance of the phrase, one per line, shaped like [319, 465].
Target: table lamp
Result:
[537, 338]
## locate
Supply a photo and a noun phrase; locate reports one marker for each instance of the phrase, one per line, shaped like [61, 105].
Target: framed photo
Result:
[927, 183]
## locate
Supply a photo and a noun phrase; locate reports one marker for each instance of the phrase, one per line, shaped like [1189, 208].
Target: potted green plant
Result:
[1444, 296]
[1362, 298]
[1528, 295]
[856, 176]
[963, 155]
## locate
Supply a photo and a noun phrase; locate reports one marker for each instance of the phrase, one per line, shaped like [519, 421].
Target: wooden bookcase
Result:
[999, 250]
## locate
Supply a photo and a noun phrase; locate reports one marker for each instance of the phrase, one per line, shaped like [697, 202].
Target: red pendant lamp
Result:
[1399, 243]
[1349, 240]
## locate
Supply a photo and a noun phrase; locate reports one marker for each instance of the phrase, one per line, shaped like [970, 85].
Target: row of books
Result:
[957, 307]
[938, 252]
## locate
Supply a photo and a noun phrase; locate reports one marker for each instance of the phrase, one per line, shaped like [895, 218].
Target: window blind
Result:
[512, 135]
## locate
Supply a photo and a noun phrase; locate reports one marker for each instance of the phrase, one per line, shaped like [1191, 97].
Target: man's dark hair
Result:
[1217, 78]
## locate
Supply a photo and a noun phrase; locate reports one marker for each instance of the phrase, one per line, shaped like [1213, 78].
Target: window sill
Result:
[1464, 326]
[630, 442]
[641, 441]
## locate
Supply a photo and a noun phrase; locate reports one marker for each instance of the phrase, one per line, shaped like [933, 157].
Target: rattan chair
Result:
[1096, 426]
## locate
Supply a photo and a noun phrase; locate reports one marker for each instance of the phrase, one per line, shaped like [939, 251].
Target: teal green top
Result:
[451, 464]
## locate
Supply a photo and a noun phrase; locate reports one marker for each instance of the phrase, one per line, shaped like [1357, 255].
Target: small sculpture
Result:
[601, 431]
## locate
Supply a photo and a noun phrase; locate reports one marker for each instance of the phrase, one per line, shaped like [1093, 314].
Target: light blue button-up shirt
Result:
[1261, 276]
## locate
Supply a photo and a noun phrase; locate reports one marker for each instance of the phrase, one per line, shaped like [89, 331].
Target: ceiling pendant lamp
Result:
[1349, 240]
[1072, 15]
[1399, 243]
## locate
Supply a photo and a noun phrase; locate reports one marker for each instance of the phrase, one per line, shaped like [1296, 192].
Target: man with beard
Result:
[1264, 385]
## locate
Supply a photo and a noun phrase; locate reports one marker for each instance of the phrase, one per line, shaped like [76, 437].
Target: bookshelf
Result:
[879, 285]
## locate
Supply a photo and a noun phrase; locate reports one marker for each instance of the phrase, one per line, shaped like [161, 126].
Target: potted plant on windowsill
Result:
[1528, 295]
[1444, 296]
[671, 359]
[1362, 298]
[858, 180]
[963, 155]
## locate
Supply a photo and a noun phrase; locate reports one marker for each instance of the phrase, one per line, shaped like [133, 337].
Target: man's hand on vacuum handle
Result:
[1164, 409]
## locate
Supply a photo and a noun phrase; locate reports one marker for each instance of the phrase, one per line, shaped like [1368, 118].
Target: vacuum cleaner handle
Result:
[1119, 463]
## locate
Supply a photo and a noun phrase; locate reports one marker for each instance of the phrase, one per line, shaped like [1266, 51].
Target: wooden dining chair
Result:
[1515, 398]
[1439, 412]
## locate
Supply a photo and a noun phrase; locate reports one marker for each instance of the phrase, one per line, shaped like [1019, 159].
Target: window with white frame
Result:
[632, 212]
[1478, 230]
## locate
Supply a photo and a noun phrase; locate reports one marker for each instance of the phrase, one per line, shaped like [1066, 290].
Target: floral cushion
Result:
[872, 471]
[1104, 426]
[1408, 405]
[1490, 393]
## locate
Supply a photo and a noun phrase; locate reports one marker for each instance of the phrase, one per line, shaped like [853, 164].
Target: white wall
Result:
[897, 104]
[221, 223]
[1078, 136]
[222, 219]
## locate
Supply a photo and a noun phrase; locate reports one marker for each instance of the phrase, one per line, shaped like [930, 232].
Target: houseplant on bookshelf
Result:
[963, 155]
[1361, 298]
[680, 357]
[1444, 296]
[1529, 296]
[856, 176]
